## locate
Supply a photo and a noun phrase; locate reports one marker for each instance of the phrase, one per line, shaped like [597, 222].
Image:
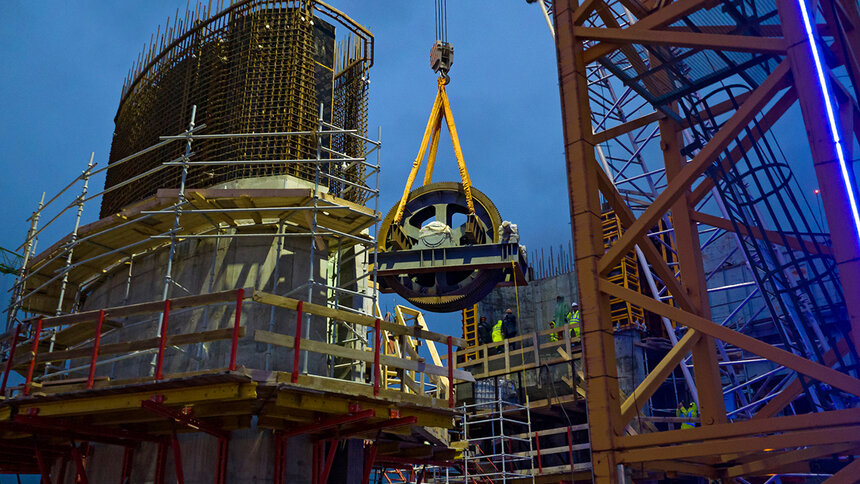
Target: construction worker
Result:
[693, 413]
[554, 335]
[560, 309]
[573, 319]
[690, 412]
[510, 324]
[498, 336]
[509, 327]
[484, 331]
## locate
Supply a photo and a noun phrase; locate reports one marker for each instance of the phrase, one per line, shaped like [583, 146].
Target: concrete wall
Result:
[200, 266]
[203, 266]
[251, 460]
[536, 301]
[630, 361]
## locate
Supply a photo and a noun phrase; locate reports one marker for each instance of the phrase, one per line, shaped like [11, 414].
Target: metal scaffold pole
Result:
[85, 176]
[181, 200]
[70, 250]
[313, 240]
[18, 288]
[168, 272]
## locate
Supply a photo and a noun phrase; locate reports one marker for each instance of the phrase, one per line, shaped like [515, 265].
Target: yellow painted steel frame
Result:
[441, 109]
[718, 449]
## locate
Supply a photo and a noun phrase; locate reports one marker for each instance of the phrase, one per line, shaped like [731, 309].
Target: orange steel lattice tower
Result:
[705, 89]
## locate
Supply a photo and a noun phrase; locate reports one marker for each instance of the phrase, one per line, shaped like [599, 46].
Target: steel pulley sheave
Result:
[443, 291]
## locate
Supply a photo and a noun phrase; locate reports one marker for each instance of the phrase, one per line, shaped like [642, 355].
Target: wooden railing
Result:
[82, 333]
[523, 352]
[563, 452]
[89, 326]
[402, 346]
[409, 360]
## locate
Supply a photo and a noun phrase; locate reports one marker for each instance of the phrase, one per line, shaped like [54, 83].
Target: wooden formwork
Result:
[219, 400]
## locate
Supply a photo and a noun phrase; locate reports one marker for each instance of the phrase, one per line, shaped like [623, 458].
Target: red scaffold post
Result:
[35, 352]
[80, 467]
[297, 345]
[240, 295]
[177, 459]
[15, 338]
[96, 342]
[369, 457]
[160, 462]
[44, 468]
[159, 365]
[127, 464]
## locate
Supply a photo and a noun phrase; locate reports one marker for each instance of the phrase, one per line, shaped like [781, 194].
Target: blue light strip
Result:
[834, 129]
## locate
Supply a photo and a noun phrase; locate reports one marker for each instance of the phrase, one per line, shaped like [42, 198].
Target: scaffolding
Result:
[92, 251]
[191, 215]
[67, 351]
[498, 455]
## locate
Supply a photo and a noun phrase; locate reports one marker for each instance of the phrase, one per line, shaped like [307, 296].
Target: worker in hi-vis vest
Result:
[498, 336]
[573, 319]
[554, 335]
[690, 412]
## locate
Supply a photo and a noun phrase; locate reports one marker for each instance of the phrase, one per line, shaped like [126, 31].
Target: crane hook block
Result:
[441, 57]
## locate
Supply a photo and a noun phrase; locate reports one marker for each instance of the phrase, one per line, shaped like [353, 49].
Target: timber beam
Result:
[224, 392]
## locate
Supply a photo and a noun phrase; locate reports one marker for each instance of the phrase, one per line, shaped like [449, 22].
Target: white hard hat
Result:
[574, 305]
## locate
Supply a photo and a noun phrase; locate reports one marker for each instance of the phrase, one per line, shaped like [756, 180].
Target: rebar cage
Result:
[257, 66]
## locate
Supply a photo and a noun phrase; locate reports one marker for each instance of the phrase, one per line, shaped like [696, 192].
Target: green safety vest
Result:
[574, 320]
[692, 412]
[497, 332]
[554, 335]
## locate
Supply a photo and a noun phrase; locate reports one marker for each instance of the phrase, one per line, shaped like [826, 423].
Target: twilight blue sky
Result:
[64, 63]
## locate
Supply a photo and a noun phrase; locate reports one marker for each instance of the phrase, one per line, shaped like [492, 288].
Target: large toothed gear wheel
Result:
[443, 291]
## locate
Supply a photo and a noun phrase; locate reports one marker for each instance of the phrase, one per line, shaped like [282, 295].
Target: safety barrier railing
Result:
[31, 354]
[523, 352]
[558, 453]
[54, 268]
[382, 332]
[27, 356]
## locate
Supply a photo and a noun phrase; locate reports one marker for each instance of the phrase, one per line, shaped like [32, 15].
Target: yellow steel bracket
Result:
[441, 109]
